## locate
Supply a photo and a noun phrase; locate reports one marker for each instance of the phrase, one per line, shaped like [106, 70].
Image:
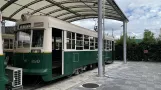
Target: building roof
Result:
[66, 10]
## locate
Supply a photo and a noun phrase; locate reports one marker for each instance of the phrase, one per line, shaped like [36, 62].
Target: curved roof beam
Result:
[7, 4]
[26, 6]
[88, 17]
[80, 18]
[80, 11]
[73, 16]
[63, 7]
[72, 7]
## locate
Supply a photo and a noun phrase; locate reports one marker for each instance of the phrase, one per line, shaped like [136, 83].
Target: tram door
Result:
[56, 52]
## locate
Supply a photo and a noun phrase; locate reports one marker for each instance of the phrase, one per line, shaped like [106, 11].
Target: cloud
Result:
[9, 23]
[142, 14]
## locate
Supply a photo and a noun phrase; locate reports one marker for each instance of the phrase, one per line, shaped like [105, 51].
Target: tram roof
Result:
[66, 10]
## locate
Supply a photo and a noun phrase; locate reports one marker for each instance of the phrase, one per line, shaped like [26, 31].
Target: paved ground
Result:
[119, 76]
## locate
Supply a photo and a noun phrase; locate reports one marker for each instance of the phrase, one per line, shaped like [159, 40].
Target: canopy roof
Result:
[67, 10]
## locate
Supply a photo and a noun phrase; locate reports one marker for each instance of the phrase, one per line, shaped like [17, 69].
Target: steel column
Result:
[124, 42]
[100, 68]
[103, 37]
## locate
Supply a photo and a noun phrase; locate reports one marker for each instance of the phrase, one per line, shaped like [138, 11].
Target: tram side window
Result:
[37, 40]
[24, 38]
[70, 40]
[108, 45]
[86, 42]
[11, 43]
[6, 44]
[73, 40]
[105, 44]
[92, 47]
[96, 43]
[79, 42]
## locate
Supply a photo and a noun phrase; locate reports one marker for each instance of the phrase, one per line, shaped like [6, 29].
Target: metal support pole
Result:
[103, 37]
[100, 68]
[124, 42]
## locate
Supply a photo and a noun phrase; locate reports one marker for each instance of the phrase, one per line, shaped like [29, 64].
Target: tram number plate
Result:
[35, 61]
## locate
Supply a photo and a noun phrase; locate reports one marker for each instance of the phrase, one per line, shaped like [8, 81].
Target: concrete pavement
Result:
[119, 76]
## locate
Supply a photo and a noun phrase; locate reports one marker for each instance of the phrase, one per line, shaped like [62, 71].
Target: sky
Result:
[142, 14]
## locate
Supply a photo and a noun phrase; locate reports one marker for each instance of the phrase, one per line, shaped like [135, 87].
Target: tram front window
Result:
[37, 39]
[24, 38]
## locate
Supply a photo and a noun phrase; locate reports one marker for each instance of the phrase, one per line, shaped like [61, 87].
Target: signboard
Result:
[145, 51]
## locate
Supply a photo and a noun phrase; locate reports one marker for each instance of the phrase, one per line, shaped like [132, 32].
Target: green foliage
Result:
[149, 37]
[129, 40]
[135, 51]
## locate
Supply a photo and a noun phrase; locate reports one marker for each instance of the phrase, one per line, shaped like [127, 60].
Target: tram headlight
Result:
[36, 51]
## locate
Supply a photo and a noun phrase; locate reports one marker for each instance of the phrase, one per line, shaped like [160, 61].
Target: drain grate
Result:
[90, 85]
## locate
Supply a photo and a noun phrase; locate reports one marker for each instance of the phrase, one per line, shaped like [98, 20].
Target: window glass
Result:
[96, 43]
[73, 44]
[108, 45]
[58, 43]
[6, 44]
[70, 40]
[79, 42]
[11, 43]
[69, 44]
[105, 44]
[86, 42]
[69, 35]
[37, 39]
[23, 38]
[92, 47]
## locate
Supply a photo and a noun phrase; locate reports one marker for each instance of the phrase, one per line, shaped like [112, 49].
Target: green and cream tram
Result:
[8, 46]
[52, 48]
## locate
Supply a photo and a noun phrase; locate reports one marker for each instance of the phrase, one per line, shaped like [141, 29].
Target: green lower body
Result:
[9, 55]
[3, 79]
[41, 63]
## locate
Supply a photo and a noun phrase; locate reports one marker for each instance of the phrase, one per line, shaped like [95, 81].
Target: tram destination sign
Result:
[25, 26]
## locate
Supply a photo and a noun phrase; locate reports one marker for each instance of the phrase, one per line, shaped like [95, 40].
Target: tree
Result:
[149, 37]
[129, 40]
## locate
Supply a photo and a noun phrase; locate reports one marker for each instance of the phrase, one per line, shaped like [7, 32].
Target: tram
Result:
[8, 46]
[51, 48]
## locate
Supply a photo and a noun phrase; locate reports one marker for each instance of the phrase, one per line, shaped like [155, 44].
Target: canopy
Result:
[67, 10]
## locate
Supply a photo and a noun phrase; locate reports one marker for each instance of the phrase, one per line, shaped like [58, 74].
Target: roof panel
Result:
[68, 15]
[3, 2]
[58, 13]
[39, 5]
[23, 2]
[49, 9]
[9, 10]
